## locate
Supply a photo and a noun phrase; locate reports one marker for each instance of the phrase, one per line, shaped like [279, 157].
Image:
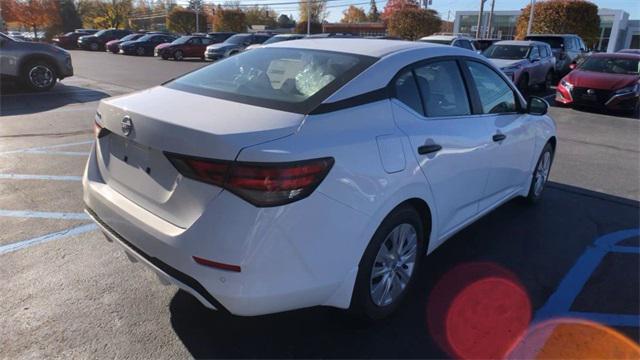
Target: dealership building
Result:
[616, 30]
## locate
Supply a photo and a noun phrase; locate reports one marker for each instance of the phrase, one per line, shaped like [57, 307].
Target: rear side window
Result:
[407, 92]
[534, 54]
[465, 44]
[496, 96]
[295, 80]
[442, 89]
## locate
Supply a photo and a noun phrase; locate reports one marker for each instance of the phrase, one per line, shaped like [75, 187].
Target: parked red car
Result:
[112, 45]
[605, 81]
[183, 47]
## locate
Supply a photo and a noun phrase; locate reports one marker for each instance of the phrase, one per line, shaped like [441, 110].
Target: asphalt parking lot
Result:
[69, 293]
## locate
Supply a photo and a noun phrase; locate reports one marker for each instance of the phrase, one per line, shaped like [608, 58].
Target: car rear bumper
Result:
[288, 257]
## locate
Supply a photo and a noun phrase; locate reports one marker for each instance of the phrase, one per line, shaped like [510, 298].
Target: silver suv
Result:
[35, 65]
[457, 40]
[526, 63]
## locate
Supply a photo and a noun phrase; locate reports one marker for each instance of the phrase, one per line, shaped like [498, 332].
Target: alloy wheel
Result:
[178, 55]
[542, 173]
[394, 265]
[41, 76]
[140, 51]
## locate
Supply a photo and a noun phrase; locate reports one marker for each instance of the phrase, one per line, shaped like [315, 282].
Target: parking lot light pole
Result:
[308, 17]
[197, 17]
[480, 19]
[533, 4]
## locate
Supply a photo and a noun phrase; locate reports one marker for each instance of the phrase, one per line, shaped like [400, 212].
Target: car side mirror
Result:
[535, 59]
[537, 106]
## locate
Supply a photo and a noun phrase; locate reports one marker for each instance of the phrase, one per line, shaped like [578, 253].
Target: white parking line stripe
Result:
[43, 215]
[37, 148]
[40, 177]
[48, 237]
[64, 153]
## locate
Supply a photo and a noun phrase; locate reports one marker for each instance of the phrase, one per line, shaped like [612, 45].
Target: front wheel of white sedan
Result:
[541, 174]
[388, 266]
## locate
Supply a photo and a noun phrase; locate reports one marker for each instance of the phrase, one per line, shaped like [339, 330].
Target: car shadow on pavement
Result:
[537, 244]
[15, 100]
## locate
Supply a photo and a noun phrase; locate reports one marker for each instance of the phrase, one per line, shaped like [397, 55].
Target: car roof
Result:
[358, 46]
[553, 35]
[617, 55]
[521, 42]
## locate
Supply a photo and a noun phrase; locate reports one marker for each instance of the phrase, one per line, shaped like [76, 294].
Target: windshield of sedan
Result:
[181, 40]
[101, 32]
[508, 52]
[611, 65]
[146, 38]
[276, 39]
[130, 37]
[441, 42]
[237, 39]
[295, 80]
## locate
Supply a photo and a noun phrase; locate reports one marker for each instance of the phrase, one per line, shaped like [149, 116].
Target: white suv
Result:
[460, 41]
[312, 172]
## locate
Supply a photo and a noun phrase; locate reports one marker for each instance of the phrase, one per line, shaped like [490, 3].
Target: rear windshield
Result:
[611, 65]
[553, 41]
[238, 39]
[508, 52]
[131, 37]
[276, 39]
[295, 80]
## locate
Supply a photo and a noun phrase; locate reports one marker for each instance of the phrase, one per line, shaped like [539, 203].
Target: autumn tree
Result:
[562, 17]
[183, 20]
[301, 27]
[396, 5]
[374, 15]
[258, 15]
[353, 15]
[33, 14]
[112, 13]
[229, 19]
[318, 10]
[412, 23]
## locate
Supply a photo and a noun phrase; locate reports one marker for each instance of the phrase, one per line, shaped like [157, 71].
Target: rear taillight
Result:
[261, 184]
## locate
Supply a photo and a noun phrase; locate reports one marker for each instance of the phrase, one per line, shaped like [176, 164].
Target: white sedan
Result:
[312, 172]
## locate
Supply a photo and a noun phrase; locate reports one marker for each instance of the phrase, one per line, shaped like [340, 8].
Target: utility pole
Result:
[493, 3]
[308, 17]
[533, 5]
[480, 19]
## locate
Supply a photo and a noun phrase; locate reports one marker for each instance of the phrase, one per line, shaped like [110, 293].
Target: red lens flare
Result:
[478, 310]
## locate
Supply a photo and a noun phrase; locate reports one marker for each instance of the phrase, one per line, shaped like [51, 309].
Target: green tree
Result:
[229, 19]
[353, 15]
[183, 20]
[69, 16]
[112, 13]
[562, 17]
[413, 23]
[285, 22]
[374, 15]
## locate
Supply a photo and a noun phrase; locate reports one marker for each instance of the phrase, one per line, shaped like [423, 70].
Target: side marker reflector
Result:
[217, 265]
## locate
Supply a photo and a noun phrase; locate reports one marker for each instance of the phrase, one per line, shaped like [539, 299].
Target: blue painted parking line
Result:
[46, 238]
[559, 303]
[40, 177]
[43, 215]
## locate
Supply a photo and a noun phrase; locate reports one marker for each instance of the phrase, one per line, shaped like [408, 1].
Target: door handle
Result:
[499, 137]
[428, 149]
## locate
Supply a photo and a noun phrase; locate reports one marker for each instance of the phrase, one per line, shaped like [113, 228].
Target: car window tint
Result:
[196, 41]
[442, 89]
[534, 54]
[495, 95]
[465, 44]
[457, 43]
[407, 92]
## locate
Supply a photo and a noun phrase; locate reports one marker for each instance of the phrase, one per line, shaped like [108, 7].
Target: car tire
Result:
[164, 56]
[94, 46]
[540, 174]
[523, 83]
[382, 281]
[140, 51]
[178, 55]
[39, 75]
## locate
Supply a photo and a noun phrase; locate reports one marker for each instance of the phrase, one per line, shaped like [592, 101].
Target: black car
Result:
[145, 45]
[219, 37]
[483, 44]
[98, 40]
[234, 45]
[569, 49]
